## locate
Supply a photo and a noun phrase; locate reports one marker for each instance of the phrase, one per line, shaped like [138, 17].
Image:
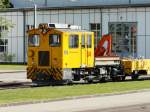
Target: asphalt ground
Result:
[132, 108]
[131, 102]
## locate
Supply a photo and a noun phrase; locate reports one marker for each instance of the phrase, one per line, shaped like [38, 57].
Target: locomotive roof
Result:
[71, 30]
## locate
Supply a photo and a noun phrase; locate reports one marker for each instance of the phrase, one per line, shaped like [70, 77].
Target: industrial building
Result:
[127, 20]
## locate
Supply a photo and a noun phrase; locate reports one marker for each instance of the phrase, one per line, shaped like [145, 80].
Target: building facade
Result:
[128, 23]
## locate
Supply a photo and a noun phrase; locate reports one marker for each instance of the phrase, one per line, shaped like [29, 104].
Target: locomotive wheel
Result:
[90, 81]
[135, 77]
[114, 79]
[119, 78]
[123, 78]
[103, 79]
[68, 82]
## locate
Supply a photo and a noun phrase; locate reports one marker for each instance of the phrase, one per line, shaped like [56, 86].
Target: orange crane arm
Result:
[104, 46]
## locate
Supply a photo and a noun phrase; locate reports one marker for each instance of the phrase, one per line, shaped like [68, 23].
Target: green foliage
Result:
[7, 26]
[5, 22]
[5, 4]
[7, 57]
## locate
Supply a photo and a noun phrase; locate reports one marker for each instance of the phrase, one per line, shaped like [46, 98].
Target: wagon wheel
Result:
[123, 78]
[104, 79]
[135, 75]
[90, 81]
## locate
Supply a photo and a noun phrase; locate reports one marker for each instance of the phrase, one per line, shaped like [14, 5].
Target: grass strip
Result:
[55, 92]
[12, 67]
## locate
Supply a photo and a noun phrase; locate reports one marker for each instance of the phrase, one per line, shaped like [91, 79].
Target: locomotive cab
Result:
[56, 55]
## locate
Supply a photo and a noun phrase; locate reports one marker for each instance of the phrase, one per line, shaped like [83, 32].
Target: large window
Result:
[96, 28]
[73, 41]
[33, 40]
[123, 38]
[54, 40]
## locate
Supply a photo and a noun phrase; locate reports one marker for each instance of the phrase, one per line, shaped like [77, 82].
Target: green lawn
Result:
[12, 67]
[55, 92]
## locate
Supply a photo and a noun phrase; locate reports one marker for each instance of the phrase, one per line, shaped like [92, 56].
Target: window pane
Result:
[83, 41]
[73, 41]
[54, 40]
[89, 41]
[33, 40]
[3, 45]
[93, 27]
[96, 28]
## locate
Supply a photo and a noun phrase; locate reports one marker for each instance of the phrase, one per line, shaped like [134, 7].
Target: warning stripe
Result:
[30, 73]
[60, 73]
[49, 73]
[56, 73]
[29, 70]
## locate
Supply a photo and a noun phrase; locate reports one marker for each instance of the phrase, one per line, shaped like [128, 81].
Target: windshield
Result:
[33, 40]
[54, 40]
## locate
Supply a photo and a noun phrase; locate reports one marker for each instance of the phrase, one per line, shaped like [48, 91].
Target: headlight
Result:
[31, 53]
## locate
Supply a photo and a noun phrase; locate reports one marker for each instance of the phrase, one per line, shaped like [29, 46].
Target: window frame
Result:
[83, 41]
[71, 36]
[38, 35]
[56, 44]
[89, 42]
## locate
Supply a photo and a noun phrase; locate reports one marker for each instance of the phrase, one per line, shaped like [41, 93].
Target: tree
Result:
[5, 27]
[5, 4]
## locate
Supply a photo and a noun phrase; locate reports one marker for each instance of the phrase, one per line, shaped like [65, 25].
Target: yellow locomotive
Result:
[67, 54]
[52, 53]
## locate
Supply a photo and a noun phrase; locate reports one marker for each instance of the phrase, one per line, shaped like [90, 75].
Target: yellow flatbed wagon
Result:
[136, 67]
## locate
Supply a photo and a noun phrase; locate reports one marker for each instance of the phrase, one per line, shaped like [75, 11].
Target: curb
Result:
[74, 97]
[12, 71]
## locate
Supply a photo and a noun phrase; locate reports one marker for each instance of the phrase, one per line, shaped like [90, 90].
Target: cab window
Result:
[73, 41]
[54, 40]
[89, 41]
[33, 40]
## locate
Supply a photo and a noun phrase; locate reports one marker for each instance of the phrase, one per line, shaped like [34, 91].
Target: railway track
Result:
[19, 85]
[14, 85]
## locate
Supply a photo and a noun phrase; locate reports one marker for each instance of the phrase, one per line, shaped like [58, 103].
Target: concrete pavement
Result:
[75, 105]
[132, 108]
[13, 76]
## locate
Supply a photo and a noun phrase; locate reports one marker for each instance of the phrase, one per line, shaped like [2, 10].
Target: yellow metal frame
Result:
[61, 57]
[131, 65]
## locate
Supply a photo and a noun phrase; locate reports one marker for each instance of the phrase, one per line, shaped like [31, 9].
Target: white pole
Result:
[35, 15]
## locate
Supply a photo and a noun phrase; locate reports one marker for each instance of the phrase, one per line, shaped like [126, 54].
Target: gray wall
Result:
[81, 17]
